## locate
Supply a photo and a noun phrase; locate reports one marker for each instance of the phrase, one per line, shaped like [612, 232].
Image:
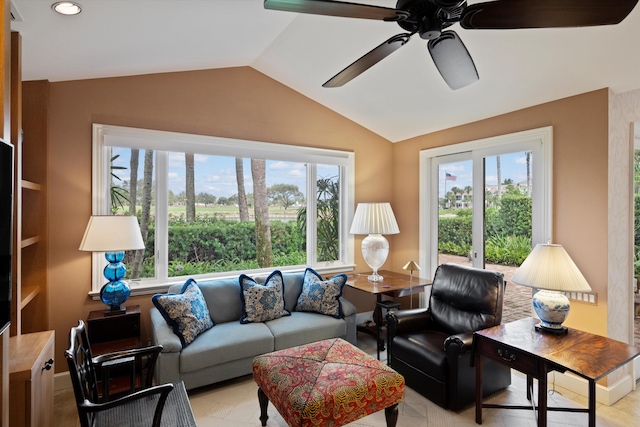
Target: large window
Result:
[211, 207]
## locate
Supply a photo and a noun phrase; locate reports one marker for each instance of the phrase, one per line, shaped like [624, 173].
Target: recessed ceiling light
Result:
[67, 8]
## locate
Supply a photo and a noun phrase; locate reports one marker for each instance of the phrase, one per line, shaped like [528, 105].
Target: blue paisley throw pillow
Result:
[186, 312]
[321, 296]
[262, 302]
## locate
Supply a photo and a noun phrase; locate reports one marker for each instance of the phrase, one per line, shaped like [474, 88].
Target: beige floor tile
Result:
[234, 403]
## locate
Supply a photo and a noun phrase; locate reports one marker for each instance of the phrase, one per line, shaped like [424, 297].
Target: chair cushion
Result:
[262, 302]
[186, 312]
[321, 296]
[139, 413]
[424, 351]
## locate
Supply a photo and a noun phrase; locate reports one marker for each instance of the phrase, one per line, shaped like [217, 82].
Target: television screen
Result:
[6, 227]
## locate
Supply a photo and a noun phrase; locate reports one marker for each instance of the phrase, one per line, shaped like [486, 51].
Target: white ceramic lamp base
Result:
[552, 308]
[375, 249]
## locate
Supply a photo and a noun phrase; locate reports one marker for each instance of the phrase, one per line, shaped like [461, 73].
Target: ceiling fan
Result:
[429, 18]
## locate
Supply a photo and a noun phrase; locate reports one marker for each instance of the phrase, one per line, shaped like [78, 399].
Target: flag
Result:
[449, 177]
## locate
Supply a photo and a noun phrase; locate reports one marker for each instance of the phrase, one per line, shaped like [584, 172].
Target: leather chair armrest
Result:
[403, 321]
[458, 344]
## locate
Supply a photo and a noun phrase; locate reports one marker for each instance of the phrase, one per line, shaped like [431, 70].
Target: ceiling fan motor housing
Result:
[429, 17]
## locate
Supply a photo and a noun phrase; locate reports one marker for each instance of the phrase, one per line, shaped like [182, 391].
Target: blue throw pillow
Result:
[262, 302]
[186, 312]
[321, 296]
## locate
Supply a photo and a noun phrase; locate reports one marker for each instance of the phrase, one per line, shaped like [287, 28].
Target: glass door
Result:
[454, 176]
[487, 205]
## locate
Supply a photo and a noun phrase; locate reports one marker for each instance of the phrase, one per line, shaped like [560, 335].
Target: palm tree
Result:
[328, 213]
[133, 181]
[118, 194]
[145, 216]
[264, 252]
[499, 177]
[242, 194]
[528, 158]
[190, 187]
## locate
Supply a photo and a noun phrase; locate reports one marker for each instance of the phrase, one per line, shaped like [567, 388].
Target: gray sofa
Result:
[227, 350]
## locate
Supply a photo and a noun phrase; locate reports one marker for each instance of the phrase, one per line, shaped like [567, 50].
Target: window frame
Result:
[162, 142]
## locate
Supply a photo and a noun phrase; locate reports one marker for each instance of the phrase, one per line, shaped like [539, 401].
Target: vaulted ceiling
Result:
[401, 97]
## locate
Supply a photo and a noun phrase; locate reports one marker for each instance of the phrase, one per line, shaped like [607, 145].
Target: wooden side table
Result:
[518, 345]
[113, 333]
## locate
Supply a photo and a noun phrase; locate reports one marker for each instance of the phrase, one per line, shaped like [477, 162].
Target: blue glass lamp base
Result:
[115, 292]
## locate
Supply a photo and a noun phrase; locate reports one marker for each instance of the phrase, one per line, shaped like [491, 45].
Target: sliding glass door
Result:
[486, 203]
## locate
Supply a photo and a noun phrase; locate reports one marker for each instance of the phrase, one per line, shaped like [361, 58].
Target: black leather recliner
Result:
[432, 347]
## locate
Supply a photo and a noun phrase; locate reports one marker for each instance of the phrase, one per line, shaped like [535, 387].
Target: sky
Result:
[216, 175]
[512, 166]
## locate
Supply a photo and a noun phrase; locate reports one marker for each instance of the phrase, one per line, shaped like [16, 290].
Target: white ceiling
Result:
[401, 97]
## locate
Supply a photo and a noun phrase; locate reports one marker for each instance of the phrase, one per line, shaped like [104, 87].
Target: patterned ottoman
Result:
[328, 383]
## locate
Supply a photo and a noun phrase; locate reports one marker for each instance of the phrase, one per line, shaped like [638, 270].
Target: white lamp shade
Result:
[550, 267]
[374, 218]
[112, 233]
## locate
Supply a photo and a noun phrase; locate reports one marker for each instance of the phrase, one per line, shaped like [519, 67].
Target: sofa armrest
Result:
[162, 333]
[348, 309]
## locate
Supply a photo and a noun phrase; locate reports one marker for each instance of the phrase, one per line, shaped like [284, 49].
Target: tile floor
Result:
[235, 404]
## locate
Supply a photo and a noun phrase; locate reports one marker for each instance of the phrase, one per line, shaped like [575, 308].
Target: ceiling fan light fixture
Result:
[68, 8]
[453, 60]
[429, 28]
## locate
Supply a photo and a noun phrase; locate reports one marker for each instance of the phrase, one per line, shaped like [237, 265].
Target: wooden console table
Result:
[520, 346]
[394, 285]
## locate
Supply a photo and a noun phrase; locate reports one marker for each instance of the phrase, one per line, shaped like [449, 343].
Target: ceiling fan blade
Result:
[453, 60]
[368, 60]
[336, 8]
[512, 14]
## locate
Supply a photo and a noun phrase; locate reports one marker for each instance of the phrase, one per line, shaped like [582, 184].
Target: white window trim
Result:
[105, 136]
[542, 231]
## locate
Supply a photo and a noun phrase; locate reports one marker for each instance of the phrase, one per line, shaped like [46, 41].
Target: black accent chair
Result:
[162, 405]
[432, 347]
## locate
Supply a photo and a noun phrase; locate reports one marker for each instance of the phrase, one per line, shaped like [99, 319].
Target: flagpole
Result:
[445, 189]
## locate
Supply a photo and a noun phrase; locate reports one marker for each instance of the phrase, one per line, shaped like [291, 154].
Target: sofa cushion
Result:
[262, 302]
[186, 312]
[226, 342]
[223, 299]
[302, 328]
[321, 296]
[292, 288]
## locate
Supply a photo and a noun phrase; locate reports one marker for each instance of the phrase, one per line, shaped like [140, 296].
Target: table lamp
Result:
[113, 234]
[550, 269]
[411, 266]
[374, 219]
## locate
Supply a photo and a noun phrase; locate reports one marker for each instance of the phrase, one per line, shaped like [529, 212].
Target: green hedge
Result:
[507, 228]
[212, 240]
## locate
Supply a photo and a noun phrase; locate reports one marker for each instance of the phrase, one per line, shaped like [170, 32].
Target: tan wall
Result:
[236, 103]
[242, 103]
[580, 143]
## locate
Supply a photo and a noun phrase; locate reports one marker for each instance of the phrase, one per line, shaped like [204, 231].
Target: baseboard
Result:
[62, 381]
[607, 395]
